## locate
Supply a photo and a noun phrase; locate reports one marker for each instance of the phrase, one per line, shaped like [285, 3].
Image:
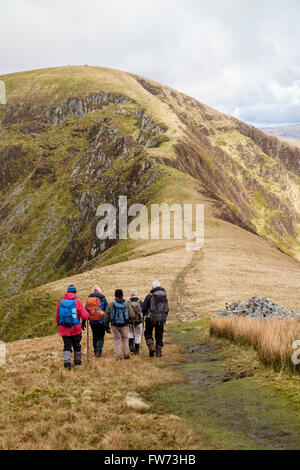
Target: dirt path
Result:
[223, 399]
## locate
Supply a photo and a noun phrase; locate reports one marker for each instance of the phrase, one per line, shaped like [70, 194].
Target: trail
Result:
[184, 312]
[222, 398]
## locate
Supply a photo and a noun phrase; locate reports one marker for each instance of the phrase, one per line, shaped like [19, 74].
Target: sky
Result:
[241, 57]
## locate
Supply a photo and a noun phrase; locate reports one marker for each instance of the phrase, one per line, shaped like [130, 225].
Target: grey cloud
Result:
[239, 56]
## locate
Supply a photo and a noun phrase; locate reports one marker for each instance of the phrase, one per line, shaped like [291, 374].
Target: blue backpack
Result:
[68, 313]
[119, 315]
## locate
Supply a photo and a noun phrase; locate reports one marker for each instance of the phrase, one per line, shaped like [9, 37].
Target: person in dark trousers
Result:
[69, 312]
[96, 305]
[155, 309]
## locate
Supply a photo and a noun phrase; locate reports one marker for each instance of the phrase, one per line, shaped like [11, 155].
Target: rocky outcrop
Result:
[80, 106]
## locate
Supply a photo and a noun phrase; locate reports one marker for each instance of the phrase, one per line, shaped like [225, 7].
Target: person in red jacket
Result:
[69, 312]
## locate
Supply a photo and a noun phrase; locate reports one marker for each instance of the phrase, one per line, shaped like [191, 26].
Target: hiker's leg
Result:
[67, 351]
[131, 338]
[117, 342]
[138, 333]
[100, 339]
[138, 338]
[124, 333]
[149, 337]
[76, 340]
[159, 336]
[94, 331]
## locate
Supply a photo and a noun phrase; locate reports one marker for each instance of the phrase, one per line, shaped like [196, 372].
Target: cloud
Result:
[238, 56]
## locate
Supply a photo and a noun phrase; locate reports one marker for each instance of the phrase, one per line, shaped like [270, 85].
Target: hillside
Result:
[74, 137]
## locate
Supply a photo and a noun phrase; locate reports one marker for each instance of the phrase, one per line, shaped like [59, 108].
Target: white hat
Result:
[96, 288]
[133, 292]
[155, 284]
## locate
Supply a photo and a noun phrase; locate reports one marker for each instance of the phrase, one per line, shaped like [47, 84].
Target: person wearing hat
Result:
[155, 310]
[119, 314]
[70, 311]
[96, 305]
[136, 327]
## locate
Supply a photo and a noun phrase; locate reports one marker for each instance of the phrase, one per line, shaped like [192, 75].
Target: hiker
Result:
[96, 305]
[119, 313]
[136, 327]
[69, 312]
[156, 309]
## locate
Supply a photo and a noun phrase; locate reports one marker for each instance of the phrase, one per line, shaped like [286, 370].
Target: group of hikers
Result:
[126, 319]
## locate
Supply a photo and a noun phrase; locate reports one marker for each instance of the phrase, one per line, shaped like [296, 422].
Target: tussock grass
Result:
[43, 406]
[272, 338]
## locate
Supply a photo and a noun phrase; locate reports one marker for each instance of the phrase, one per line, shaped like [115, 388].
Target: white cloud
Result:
[239, 56]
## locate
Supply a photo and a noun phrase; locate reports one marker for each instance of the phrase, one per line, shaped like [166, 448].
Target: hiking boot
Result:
[99, 347]
[67, 359]
[131, 344]
[136, 349]
[150, 344]
[158, 351]
[77, 358]
[126, 357]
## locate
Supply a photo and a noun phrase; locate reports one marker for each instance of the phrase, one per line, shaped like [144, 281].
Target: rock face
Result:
[259, 308]
[80, 106]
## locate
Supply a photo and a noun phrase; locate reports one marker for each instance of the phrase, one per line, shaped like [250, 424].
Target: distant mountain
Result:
[289, 130]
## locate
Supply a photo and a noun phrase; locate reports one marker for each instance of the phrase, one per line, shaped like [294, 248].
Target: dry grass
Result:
[45, 407]
[272, 338]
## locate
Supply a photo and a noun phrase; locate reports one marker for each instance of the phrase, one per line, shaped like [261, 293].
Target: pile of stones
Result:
[258, 307]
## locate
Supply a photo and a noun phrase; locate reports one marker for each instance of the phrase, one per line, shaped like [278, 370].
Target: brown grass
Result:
[45, 407]
[272, 338]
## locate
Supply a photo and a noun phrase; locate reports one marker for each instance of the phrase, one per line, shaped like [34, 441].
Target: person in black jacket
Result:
[153, 323]
[98, 328]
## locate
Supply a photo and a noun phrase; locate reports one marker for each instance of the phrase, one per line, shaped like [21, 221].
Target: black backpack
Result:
[159, 307]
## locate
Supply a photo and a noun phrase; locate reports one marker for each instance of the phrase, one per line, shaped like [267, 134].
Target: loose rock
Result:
[258, 307]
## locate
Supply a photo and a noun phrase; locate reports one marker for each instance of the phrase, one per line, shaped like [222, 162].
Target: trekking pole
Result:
[88, 342]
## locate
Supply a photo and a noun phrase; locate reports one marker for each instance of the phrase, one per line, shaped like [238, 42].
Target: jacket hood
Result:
[120, 301]
[157, 289]
[97, 294]
[70, 296]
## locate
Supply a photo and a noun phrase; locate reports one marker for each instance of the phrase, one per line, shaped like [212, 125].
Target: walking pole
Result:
[88, 342]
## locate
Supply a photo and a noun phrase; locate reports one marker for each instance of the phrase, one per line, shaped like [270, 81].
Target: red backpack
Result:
[93, 304]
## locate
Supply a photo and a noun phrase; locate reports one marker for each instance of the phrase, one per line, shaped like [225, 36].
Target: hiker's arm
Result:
[130, 311]
[83, 313]
[142, 305]
[57, 314]
[107, 316]
[146, 304]
[105, 304]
